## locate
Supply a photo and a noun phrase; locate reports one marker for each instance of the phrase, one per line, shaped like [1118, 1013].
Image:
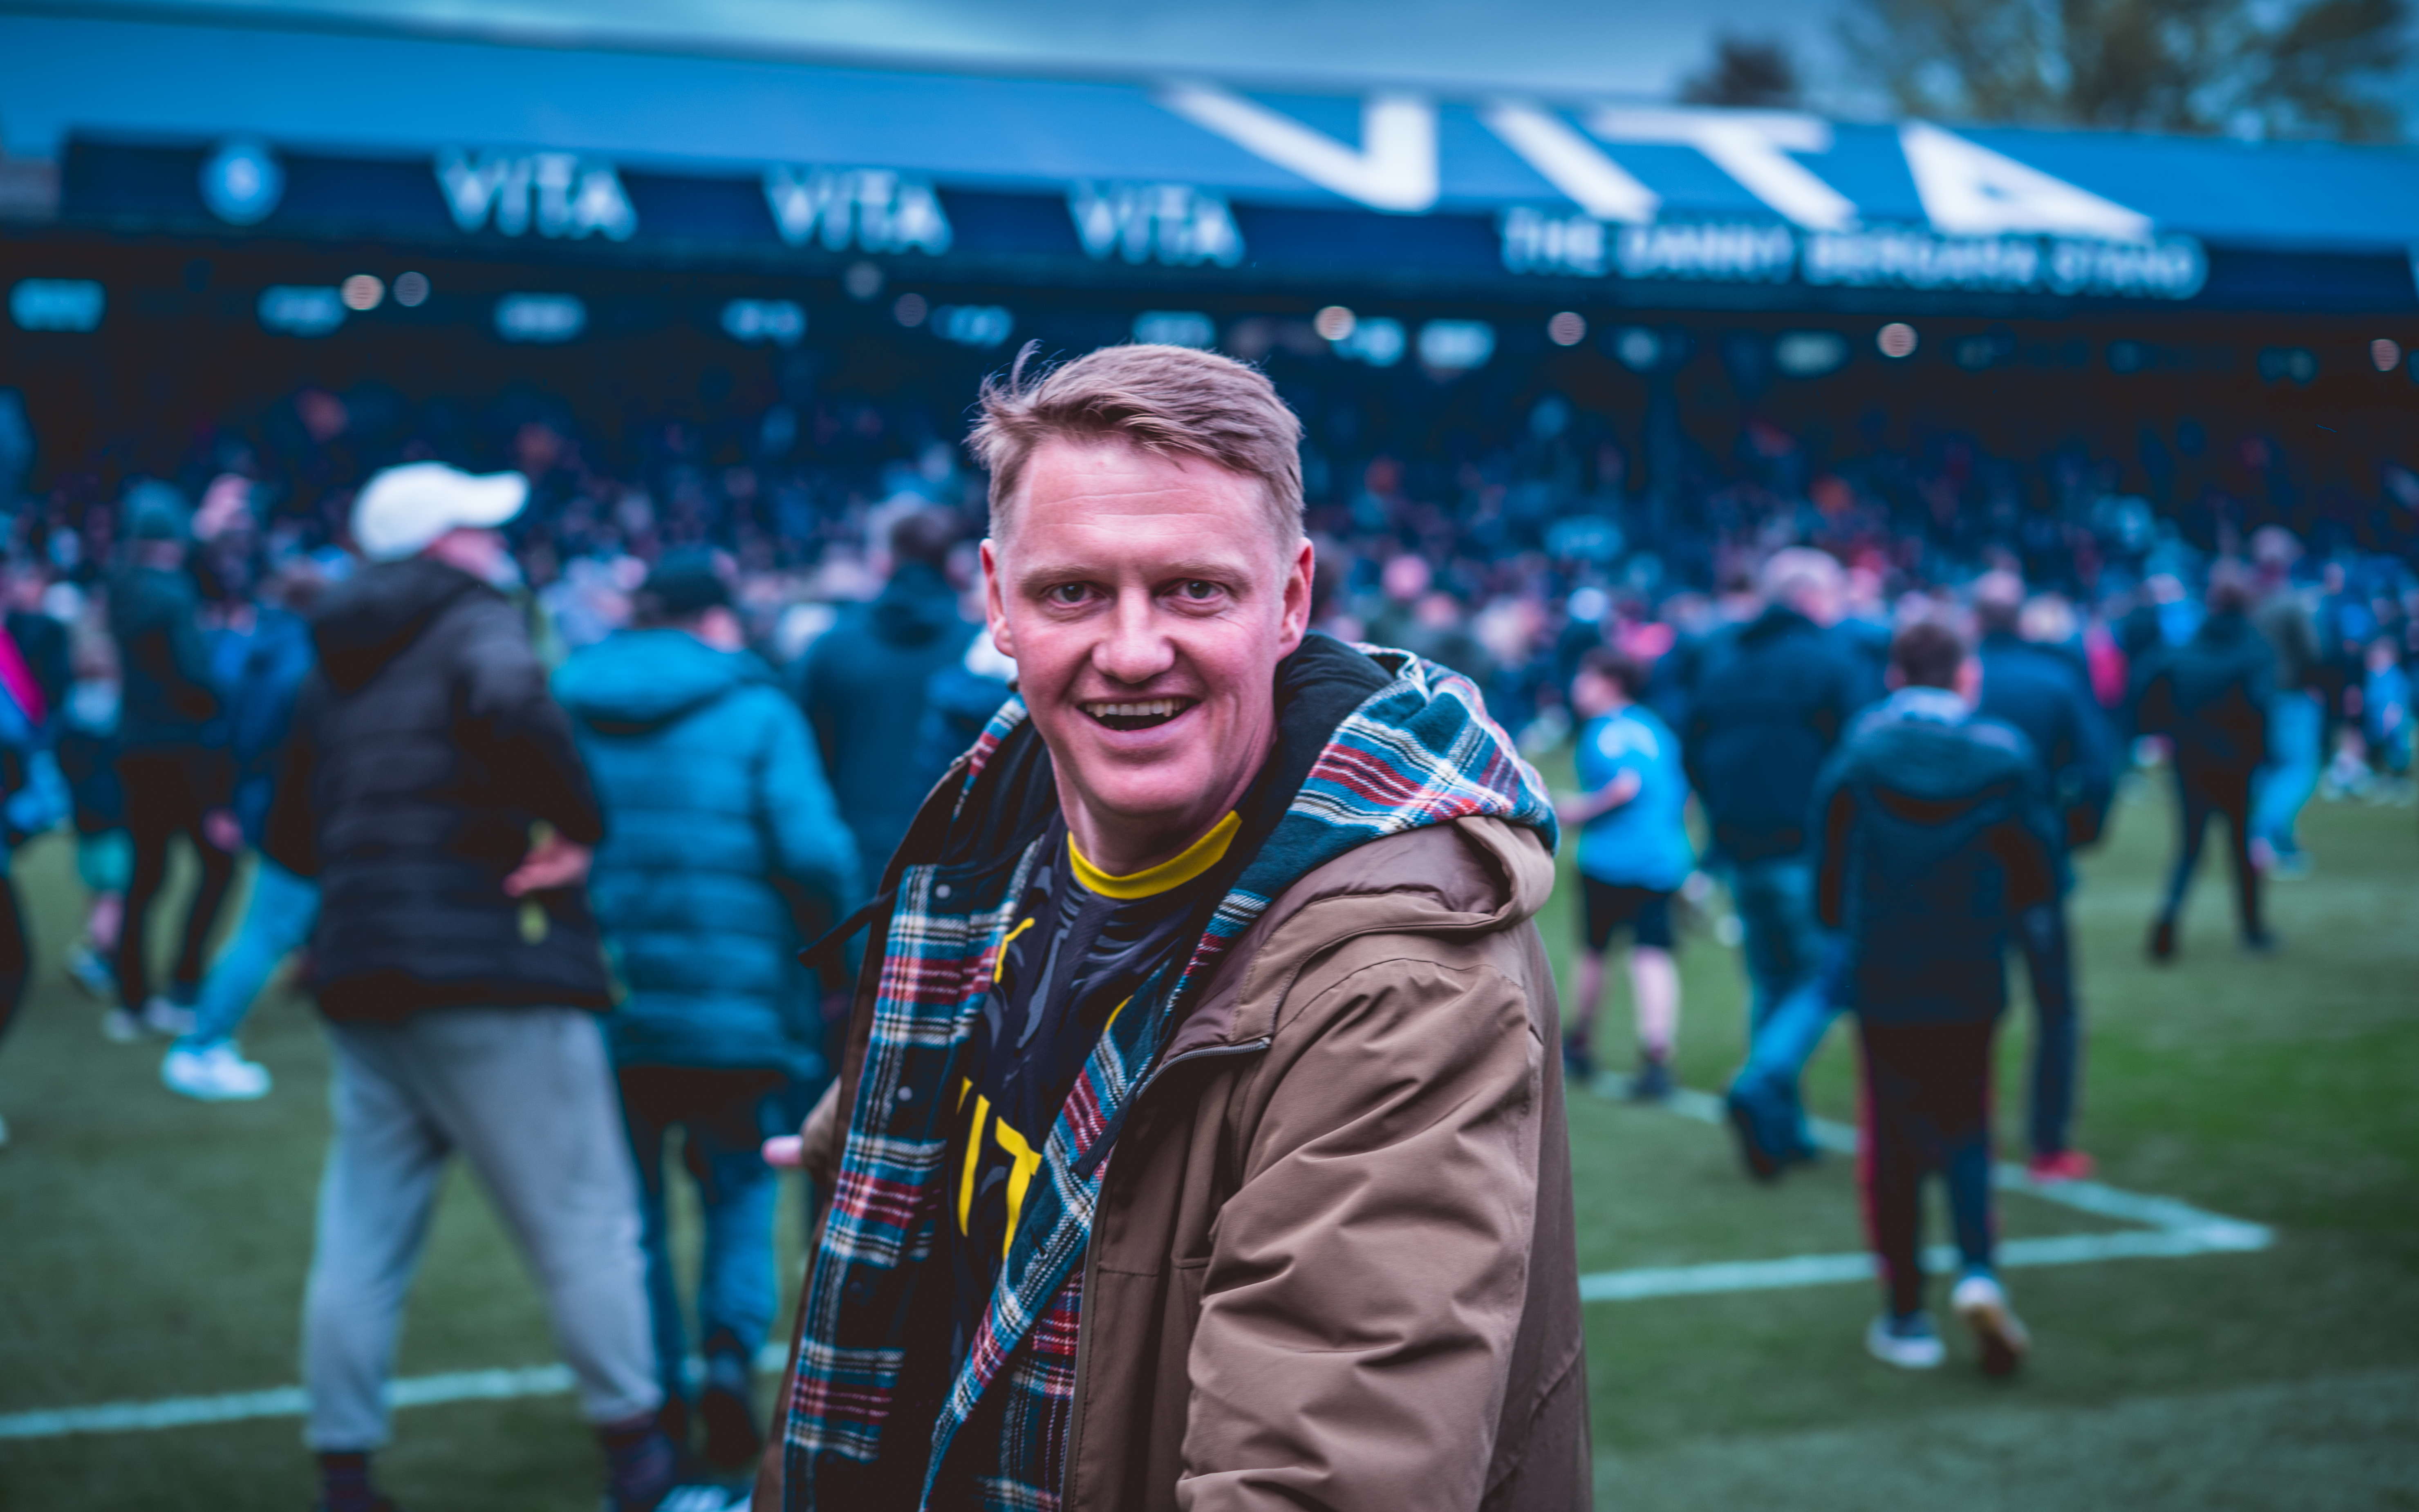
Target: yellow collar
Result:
[1197, 858]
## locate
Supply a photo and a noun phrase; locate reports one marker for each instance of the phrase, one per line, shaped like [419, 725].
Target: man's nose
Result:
[1135, 647]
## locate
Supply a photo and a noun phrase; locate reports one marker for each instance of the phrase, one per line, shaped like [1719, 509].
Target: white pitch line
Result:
[1825, 1270]
[290, 1401]
[2171, 1229]
[2095, 1198]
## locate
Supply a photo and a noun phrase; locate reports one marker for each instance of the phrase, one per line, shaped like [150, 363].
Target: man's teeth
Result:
[1146, 708]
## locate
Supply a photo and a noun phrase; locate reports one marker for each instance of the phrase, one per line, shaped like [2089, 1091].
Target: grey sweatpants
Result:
[527, 1094]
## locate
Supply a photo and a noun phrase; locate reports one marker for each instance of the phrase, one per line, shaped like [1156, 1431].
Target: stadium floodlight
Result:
[1456, 345]
[972, 325]
[910, 310]
[2386, 353]
[1896, 340]
[411, 290]
[301, 308]
[1567, 329]
[1335, 322]
[1808, 354]
[781, 322]
[1175, 327]
[1637, 348]
[540, 317]
[1378, 341]
[57, 304]
[243, 183]
[363, 291]
[2288, 364]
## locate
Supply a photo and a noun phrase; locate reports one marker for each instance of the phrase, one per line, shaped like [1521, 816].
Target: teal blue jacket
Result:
[721, 845]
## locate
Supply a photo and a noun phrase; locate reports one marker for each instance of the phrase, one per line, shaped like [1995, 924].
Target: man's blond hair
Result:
[1165, 400]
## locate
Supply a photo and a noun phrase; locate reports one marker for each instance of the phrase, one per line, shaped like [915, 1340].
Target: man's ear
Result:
[995, 601]
[1969, 679]
[1299, 574]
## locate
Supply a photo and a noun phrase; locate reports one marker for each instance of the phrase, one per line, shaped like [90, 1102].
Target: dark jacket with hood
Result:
[2209, 697]
[1769, 706]
[863, 687]
[167, 696]
[1933, 834]
[2039, 690]
[723, 846]
[425, 754]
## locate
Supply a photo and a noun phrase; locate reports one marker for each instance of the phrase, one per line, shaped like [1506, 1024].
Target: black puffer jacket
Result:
[1771, 701]
[2210, 696]
[426, 749]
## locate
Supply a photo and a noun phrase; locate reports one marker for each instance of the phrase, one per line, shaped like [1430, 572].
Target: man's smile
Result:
[1135, 713]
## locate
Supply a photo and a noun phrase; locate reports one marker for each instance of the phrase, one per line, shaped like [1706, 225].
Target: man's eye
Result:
[1199, 589]
[1069, 593]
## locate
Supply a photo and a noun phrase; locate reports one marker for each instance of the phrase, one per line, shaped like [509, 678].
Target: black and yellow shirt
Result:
[1083, 941]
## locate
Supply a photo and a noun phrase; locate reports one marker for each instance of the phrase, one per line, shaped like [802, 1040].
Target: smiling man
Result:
[1199, 1140]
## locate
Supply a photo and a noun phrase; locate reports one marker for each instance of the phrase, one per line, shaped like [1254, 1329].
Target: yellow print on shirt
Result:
[1024, 1160]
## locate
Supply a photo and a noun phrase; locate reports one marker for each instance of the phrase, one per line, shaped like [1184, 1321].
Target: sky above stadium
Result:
[1576, 46]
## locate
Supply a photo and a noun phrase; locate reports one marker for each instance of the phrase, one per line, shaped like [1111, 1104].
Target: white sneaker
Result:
[217, 1075]
[173, 1020]
[1909, 1343]
[1981, 1304]
[120, 1026]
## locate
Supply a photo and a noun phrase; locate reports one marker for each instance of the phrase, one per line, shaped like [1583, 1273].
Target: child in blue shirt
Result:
[1634, 852]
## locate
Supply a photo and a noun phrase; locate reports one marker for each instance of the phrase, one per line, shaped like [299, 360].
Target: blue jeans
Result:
[280, 915]
[1790, 1003]
[2291, 774]
[725, 1116]
[1782, 942]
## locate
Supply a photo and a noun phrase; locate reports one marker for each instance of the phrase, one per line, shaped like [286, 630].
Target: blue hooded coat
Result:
[721, 836]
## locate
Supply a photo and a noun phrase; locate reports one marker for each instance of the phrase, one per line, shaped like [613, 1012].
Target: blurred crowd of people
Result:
[720, 682]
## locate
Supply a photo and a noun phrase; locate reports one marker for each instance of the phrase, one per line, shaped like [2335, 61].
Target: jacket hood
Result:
[375, 615]
[915, 607]
[636, 680]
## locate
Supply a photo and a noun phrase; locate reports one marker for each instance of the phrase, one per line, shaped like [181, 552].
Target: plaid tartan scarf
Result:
[1417, 752]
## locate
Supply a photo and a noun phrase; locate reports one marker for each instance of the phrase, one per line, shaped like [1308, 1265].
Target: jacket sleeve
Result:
[814, 696]
[2025, 845]
[290, 838]
[2094, 767]
[812, 848]
[521, 730]
[175, 655]
[1368, 1272]
[1833, 811]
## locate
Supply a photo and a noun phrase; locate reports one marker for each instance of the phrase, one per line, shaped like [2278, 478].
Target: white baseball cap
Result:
[406, 508]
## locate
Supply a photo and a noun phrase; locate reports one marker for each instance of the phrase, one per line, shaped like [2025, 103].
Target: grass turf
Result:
[152, 1247]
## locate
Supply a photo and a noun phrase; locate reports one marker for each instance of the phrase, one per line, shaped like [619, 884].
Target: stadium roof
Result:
[320, 132]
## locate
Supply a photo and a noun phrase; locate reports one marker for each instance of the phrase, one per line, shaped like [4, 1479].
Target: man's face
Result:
[1148, 601]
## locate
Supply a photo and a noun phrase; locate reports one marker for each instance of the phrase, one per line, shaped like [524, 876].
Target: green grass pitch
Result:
[151, 1247]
